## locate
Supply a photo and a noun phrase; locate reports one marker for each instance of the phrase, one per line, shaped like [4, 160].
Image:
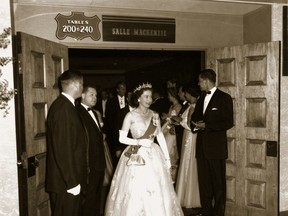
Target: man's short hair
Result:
[87, 86]
[208, 74]
[69, 76]
[119, 83]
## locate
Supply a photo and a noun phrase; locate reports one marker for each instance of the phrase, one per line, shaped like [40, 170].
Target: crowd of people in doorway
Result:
[140, 152]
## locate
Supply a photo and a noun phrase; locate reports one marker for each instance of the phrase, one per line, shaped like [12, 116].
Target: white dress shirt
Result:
[91, 114]
[121, 101]
[71, 99]
[208, 98]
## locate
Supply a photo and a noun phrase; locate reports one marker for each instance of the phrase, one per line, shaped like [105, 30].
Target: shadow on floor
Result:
[191, 211]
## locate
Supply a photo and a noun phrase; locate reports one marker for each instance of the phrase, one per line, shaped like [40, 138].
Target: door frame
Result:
[20, 132]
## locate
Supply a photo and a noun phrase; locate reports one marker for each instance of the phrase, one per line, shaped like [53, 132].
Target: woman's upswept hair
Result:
[173, 92]
[138, 91]
[191, 89]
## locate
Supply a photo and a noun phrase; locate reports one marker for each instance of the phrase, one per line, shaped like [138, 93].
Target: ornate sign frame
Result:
[77, 26]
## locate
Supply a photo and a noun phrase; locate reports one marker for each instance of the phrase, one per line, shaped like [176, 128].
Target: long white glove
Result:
[75, 191]
[145, 142]
[162, 142]
[123, 138]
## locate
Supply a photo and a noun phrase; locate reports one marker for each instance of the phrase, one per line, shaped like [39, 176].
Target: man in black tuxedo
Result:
[119, 121]
[113, 108]
[212, 117]
[66, 148]
[96, 158]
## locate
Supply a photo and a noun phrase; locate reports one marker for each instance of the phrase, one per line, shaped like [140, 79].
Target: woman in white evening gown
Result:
[168, 130]
[187, 187]
[142, 185]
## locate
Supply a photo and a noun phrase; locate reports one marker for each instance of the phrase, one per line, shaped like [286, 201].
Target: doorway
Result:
[104, 67]
[36, 86]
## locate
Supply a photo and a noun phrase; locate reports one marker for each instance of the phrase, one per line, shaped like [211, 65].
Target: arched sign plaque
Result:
[77, 26]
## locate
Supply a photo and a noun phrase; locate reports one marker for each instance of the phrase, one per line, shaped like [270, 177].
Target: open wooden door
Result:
[39, 63]
[250, 74]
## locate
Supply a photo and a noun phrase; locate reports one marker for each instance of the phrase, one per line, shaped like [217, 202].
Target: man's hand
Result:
[200, 125]
[176, 120]
[75, 191]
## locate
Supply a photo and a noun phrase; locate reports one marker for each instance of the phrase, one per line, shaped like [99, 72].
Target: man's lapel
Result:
[98, 124]
[211, 102]
[183, 108]
[201, 102]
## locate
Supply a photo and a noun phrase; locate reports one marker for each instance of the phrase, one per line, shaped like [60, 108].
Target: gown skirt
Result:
[171, 142]
[143, 189]
[187, 186]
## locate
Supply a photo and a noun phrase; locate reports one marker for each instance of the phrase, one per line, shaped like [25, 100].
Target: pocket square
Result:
[214, 108]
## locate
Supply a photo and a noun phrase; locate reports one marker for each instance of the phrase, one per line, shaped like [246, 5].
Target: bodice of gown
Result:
[184, 116]
[173, 111]
[138, 128]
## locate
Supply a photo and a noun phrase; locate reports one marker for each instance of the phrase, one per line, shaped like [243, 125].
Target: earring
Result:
[138, 100]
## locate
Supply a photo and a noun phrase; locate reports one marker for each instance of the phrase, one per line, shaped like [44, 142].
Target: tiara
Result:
[144, 85]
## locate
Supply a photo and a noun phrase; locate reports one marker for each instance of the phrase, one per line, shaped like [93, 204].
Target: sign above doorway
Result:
[138, 29]
[77, 26]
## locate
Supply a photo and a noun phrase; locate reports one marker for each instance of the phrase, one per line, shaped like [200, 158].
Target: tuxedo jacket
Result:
[66, 147]
[218, 117]
[119, 121]
[112, 110]
[96, 156]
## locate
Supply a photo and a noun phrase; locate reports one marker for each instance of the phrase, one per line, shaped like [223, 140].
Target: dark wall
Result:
[157, 66]
[185, 67]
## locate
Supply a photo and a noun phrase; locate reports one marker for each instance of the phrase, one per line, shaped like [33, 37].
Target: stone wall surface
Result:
[8, 170]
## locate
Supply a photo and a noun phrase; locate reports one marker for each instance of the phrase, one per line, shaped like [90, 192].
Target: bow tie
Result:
[208, 92]
[89, 109]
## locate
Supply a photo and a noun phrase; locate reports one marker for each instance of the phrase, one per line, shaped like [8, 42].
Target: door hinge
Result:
[19, 62]
[22, 162]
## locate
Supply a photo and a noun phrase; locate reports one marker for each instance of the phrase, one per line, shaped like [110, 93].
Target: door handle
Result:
[19, 164]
